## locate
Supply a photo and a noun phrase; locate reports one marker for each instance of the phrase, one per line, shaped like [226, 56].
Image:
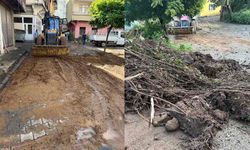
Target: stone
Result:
[35, 122]
[27, 136]
[39, 134]
[161, 119]
[221, 115]
[172, 125]
[85, 133]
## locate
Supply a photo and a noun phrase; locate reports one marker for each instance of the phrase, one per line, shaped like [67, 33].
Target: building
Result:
[78, 17]
[210, 9]
[61, 9]
[7, 9]
[31, 20]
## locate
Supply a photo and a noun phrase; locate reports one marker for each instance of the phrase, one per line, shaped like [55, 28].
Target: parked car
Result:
[19, 35]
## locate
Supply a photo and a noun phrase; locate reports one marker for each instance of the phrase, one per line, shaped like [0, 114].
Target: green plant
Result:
[161, 10]
[107, 13]
[71, 37]
[242, 17]
[180, 47]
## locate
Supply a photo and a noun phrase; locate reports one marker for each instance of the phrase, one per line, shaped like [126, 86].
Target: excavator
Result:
[52, 40]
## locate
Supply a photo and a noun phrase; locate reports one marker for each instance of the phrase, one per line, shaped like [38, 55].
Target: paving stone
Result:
[85, 133]
[27, 136]
[35, 122]
[47, 125]
[39, 134]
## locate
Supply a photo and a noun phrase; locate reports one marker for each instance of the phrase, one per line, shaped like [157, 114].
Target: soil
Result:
[74, 102]
[221, 40]
[225, 74]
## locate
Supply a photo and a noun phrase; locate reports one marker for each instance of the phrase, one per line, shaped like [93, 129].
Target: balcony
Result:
[17, 6]
[80, 16]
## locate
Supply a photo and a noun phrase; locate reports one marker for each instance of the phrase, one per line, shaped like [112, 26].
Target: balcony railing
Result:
[80, 13]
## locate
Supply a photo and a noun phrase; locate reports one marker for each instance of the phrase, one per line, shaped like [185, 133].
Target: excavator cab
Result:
[52, 41]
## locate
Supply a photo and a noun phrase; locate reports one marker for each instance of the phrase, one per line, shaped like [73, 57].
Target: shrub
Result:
[71, 37]
[242, 16]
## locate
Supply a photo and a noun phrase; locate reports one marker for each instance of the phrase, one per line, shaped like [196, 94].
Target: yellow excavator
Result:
[52, 40]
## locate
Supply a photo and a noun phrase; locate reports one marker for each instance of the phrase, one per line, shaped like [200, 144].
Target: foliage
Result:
[242, 17]
[152, 29]
[180, 47]
[161, 10]
[107, 13]
[71, 37]
[236, 5]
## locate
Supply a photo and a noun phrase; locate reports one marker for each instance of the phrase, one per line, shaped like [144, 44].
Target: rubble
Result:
[198, 92]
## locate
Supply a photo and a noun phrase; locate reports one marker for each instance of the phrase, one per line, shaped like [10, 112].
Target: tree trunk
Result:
[164, 29]
[106, 43]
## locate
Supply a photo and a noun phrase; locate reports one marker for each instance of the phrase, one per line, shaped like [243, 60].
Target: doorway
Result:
[82, 31]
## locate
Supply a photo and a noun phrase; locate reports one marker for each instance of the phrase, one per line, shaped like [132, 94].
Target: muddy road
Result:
[74, 102]
[221, 40]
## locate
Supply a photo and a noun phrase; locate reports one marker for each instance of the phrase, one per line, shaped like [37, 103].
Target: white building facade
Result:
[31, 20]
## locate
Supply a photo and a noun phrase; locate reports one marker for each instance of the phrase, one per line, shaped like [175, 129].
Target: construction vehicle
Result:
[52, 40]
[184, 25]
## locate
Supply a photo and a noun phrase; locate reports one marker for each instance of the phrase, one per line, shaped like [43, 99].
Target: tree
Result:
[107, 13]
[162, 10]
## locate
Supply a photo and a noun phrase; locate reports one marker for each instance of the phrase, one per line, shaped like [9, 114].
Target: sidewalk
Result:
[9, 61]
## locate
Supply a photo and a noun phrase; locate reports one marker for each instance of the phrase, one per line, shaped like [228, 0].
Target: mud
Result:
[49, 101]
[221, 40]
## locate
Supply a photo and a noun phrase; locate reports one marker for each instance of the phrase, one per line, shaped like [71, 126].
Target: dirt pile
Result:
[63, 103]
[197, 90]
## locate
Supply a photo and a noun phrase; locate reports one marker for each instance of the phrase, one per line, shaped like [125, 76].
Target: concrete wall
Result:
[76, 28]
[61, 9]
[69, 10]
[73, 10]
[7, 28]
[206, 12]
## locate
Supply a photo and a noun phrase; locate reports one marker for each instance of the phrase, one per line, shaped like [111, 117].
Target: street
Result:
[73, 102]
[221, 40]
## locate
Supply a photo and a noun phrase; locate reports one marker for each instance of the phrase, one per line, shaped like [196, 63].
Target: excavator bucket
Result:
[50, 50]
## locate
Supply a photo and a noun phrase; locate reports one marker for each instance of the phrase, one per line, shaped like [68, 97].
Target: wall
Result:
[76, 29]
[69, 10]
[206, 12]
[61, 9]
[7, 27]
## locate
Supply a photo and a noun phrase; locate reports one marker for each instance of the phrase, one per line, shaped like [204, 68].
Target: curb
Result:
[12, 69]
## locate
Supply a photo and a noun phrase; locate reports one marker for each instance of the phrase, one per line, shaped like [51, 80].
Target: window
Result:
[18, 20]
[84, 9]
[28, 20]
[29, 29]
[212, 7]
[122, 35]
[94, 30]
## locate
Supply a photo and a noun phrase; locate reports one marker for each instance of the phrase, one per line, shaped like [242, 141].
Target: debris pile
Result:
[197, 93]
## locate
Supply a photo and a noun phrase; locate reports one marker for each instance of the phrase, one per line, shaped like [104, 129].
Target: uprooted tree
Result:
[107, 13]
[161, 10]
[197, 93]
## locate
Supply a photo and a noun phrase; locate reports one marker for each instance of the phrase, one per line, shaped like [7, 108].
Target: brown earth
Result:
[59, 99]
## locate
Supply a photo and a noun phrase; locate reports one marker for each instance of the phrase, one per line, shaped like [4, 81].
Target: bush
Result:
[152, 30]
[71, 37]
[242, 16]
